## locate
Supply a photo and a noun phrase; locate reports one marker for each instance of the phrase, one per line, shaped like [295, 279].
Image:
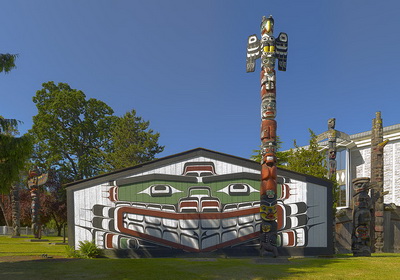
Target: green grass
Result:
[379, 266]
[22, 247]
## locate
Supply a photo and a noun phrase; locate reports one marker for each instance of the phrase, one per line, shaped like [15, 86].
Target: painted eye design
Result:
[160, 190]
[238, 189]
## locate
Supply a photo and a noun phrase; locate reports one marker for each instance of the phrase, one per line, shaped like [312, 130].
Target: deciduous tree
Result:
[71, 133]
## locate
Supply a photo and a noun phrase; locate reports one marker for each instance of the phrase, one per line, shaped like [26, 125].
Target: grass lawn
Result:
[379, 266]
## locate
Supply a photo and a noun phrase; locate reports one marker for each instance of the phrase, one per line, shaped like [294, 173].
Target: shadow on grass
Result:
[160, 268]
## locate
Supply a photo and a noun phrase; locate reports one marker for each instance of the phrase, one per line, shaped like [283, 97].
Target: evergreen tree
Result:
[7, 62]
[308, 160]
[132, 142]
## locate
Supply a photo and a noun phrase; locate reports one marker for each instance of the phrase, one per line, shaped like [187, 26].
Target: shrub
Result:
[89, 250]
[71, 252]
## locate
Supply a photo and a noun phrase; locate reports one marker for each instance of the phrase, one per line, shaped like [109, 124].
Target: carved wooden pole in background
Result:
[36, 179]
[15, 210]
[269, 49]
[362, 214]
[377, 145]
[332, 149]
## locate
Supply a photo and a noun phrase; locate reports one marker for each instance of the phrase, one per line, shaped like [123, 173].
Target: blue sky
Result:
[181, 64]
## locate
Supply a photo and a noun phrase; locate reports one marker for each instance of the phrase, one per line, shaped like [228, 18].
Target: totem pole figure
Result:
[35, 180]
[15, 210]
[269, 49]
[332, 148]
[362, 215]
[377, 145]
[332, 135]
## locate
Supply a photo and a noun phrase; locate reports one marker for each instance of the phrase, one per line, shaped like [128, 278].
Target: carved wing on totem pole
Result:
[253, 52]
[281, 44]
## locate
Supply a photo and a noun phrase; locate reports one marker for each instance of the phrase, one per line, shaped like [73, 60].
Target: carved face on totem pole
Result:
[268, 212]
[332, 153]
[331, 123]
[268, 107]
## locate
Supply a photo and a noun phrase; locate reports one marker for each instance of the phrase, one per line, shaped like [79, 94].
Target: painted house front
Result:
[197, 201]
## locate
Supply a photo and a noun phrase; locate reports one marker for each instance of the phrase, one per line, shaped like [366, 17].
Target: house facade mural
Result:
[198, 201]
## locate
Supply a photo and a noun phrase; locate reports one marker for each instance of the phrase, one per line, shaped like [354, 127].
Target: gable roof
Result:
[198, 152]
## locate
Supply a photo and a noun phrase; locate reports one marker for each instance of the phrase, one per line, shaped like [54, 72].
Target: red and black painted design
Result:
[269, 49]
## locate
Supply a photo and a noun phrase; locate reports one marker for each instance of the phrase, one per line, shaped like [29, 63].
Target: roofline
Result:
[163, 161]
[123, 173]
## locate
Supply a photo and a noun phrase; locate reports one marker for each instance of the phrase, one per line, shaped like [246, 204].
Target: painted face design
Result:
[268, 213]
[268, 108]
[266, 228]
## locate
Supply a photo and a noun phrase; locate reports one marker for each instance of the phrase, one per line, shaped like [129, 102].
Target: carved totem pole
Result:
[377, 145]
[332, 134]
[269, 49]
[36, 179]
[362, 215]
[332, 149]
[15, 210]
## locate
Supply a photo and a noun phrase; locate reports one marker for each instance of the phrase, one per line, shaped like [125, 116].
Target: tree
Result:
[55, 204]
[132, 142]
[307, 160]
[14, 153]
[7, 62]
[80, 138]
[310, 160]
[71, 133]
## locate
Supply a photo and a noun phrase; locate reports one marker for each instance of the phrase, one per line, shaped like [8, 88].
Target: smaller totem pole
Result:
[377, 172]
[332, 134]
[36, 179]
[362, 215]
[332, 148]
[15, 210]
[269, 49]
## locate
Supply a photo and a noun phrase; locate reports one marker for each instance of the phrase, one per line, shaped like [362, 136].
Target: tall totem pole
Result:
[269, 49]
[35, 180]
[377, 145]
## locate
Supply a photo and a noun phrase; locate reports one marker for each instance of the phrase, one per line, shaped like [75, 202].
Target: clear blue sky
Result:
[181, 64]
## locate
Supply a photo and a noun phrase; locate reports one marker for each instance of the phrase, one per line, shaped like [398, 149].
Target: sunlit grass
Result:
[379, 266]
[23, 247]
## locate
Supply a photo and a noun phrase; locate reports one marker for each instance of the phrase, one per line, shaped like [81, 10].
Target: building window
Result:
[342, 202]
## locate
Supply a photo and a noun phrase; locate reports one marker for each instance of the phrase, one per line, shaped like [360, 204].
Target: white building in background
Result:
[354, 160]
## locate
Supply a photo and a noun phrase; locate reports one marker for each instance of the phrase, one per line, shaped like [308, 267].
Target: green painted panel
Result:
[140, 192]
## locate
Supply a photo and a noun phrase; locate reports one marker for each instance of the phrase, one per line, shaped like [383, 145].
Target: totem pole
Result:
[15, 210]
[377, 145]
[332, 149]
[269, 49]
[35, 180]
[362, 214]
[332, 135]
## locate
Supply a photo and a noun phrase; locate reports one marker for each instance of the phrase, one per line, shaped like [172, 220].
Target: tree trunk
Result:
[15, 210]
[3, 210]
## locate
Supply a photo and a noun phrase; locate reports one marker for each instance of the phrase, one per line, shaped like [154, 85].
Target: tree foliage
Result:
[308, 160]
[14, 153]
[80, 138]
[132, 142]
[7, 62]
[71, 133]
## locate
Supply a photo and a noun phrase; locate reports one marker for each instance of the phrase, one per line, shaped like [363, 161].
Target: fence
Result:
[5, 230]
